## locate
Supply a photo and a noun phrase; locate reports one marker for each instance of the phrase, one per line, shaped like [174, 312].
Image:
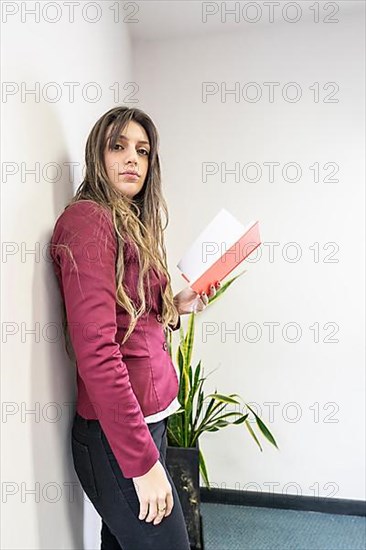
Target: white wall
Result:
[35, 370]
[35, 373]
[322, 452]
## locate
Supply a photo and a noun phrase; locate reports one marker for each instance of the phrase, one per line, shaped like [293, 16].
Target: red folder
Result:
[223, 245]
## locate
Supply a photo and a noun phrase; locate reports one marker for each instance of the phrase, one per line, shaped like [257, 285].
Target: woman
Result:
[109, 256]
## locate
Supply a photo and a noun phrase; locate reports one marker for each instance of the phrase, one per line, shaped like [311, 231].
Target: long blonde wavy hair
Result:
[138, 218]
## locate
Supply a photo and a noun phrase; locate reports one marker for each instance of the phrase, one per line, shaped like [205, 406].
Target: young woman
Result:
[109, 257]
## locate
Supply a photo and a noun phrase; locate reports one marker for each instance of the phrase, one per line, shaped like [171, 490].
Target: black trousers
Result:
[114, 497]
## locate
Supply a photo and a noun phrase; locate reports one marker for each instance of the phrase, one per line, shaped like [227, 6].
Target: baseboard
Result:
[290, 502]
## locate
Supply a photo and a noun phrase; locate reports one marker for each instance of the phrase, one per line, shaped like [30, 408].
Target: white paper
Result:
[212, 243]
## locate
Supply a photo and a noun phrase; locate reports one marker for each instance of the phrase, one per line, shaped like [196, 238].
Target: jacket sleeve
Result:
[89, 292]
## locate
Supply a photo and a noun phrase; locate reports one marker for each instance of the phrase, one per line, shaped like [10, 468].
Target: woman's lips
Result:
[130, 176]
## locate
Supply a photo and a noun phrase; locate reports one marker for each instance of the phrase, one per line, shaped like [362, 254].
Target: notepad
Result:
[220, 247]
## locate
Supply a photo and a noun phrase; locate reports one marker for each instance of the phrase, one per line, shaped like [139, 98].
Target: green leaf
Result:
[190, 376]
[221, 423]
[200, 397]
[241, 419]
[180, 359]
[230, 414]
[225, 286]
[203, 469]
[209, 409]
[188, 344]
[265, 431]
[223, 398]
[250, 430]
[263, 428]
[172, 437]
[197, 374]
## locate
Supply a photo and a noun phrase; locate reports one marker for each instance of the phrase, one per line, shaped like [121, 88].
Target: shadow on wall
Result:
[52, 375]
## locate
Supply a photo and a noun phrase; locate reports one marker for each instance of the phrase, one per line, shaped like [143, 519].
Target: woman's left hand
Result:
[187, 300]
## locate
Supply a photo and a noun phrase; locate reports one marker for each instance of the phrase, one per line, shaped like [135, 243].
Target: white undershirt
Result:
[174, 406]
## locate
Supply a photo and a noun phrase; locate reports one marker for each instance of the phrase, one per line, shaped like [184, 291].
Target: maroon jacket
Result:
[117, 384]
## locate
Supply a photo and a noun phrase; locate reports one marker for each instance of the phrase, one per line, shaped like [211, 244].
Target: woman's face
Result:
[130, 154]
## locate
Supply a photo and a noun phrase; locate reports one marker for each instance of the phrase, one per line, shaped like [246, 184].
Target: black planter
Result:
[183, 466]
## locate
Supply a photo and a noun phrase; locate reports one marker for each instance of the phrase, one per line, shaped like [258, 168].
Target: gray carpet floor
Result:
[229, 527]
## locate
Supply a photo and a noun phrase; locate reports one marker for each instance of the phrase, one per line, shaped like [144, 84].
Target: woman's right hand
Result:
[187, 300]
[154, 491]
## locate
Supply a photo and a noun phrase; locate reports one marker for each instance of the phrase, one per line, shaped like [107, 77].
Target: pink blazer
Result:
[117, 384]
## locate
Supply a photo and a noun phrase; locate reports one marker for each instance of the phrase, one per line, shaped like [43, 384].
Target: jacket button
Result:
[165, 346]
[159, 318]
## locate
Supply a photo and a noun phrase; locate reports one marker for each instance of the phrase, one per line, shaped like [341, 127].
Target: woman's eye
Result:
[143, 150]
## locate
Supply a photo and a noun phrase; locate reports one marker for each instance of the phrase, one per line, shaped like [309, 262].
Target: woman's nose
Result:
[130, 155]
